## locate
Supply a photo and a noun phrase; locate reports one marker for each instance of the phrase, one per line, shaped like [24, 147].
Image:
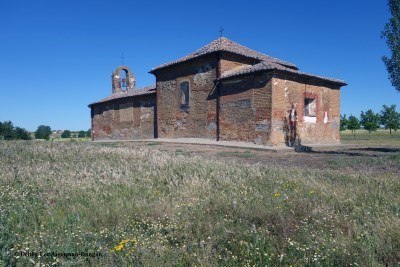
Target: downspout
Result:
[218, 91]
[91, 122]
[155, 115]
[155, 122]
[155, 111]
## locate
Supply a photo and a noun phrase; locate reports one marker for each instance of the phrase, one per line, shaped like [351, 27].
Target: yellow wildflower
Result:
[119, 247]
[122, 244]
[277, 194]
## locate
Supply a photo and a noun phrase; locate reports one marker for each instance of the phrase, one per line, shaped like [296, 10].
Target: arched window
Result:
[123, 79]
[184, 89]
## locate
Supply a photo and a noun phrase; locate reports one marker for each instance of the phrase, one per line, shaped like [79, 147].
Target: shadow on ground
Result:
[345, 153]
[358, 152]
[378, 149]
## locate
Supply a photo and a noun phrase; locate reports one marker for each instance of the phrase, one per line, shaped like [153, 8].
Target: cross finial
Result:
[221, 31]
[122, 58]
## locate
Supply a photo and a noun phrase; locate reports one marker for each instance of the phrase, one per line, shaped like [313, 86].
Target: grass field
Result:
[379, 137]
[126, 204]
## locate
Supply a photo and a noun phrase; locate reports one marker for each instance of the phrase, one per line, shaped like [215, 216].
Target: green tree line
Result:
[388, 117]
[80, 134]
[10, 132]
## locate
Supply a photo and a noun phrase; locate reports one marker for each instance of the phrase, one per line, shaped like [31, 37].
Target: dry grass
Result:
[144, 206]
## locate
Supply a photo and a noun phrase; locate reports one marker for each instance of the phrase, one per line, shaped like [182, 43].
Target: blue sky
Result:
[56, 57]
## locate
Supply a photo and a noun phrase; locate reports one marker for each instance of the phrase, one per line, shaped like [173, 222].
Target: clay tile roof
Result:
[142, 91]
[225, 45]
[267, 65]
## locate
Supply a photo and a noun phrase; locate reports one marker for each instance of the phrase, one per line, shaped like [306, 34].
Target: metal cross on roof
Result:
[221, 31]
[122, 58]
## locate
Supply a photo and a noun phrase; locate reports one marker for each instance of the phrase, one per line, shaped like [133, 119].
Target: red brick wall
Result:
[245, 109]
[199, 120]
[288, 89]
[230, 61]
[252, 109]
[124, 119]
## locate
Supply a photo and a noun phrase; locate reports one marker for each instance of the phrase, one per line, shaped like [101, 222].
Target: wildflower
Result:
[122, 244]
[277, 194]
[118, 247]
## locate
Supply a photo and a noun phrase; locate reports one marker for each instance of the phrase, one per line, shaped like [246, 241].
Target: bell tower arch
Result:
[123, 80]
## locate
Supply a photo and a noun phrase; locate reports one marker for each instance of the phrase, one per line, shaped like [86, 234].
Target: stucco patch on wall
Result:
[262, 126]
[212, 126]
[202, 76]
[244, 103]
[308, 119]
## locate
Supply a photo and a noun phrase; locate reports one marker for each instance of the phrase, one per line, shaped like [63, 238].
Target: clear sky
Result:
[56, 57]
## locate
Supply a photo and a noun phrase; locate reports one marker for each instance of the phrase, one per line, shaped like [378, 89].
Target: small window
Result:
[184, 95]
[310, 107]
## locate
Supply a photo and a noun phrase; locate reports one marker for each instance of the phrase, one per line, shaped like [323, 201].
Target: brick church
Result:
[223, 91]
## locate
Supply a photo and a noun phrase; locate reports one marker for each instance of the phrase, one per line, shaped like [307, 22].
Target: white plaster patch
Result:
[131, 84]
[286, 92]
[310, 119]
[145, 116]
[203, 74]
[326, 118]
[276, 82]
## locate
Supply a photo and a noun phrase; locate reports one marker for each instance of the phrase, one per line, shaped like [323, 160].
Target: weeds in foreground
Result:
[107, 205]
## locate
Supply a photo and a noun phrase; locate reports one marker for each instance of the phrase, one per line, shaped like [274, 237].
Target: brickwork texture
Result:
[252, 104]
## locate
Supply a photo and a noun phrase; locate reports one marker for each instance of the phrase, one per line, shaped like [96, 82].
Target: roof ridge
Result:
[227, 45]
[268, 66]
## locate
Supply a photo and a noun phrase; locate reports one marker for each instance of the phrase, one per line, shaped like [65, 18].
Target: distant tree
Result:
[43, 132]
[369, 120]
[81, 134]
[66, 134]
[391, 33]
[22, 134]
[353, 124]
[343, 122]
[390, 118]
[7, 131]
[89, 133]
